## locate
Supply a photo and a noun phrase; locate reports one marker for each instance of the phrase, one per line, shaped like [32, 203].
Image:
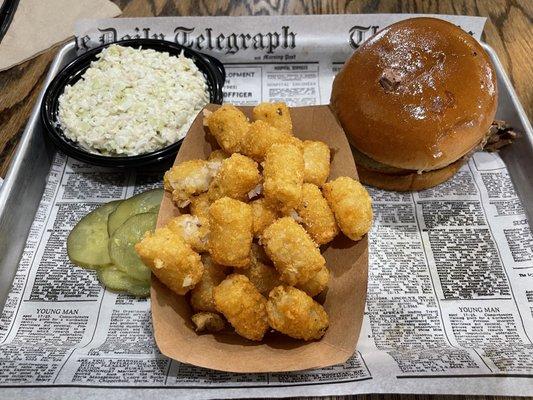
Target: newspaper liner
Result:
[344, 300]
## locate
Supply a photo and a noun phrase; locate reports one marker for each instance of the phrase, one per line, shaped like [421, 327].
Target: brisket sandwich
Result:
[415, 101]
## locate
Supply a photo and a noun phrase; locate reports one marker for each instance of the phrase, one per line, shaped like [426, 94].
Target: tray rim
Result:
[30, 125]
[528, 130]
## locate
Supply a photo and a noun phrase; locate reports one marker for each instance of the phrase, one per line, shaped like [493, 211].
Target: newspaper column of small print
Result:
[508, 349]
[293, 83]
[14, 299]
[42, 328]
[402, 301]
[120, 345]
[64, 318]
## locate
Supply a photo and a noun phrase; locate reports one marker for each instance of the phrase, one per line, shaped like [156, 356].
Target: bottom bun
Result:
[412, 181]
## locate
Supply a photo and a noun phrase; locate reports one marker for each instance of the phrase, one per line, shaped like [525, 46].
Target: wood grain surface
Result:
[509, 30]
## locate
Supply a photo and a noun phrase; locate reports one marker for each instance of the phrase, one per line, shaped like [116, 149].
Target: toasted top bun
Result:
[418, 95]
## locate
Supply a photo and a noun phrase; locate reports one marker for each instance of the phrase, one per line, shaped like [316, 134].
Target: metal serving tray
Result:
[25, 181]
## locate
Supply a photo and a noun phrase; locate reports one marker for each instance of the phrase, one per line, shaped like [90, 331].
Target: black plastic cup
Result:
[212, 69]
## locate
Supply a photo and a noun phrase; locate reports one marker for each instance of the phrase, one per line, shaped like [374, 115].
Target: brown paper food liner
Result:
[344, 300]
[39, 25]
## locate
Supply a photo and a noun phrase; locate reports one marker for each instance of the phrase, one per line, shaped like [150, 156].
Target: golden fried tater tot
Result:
[351, 205]
[293, 252]
[208, 322]
[242, 305]
[263, 276]
[229, 126]
[297, 142]
[193, 230]
[217, 155]
[202, 294]
[171, 260]
[316, 285]
[316, 216]
[237, 176]
[316, 162]
[214, 163]
[292, 312]
[263, 216]
[283, 176]
[276, 114]
[230, 222]
[187, 179]
[200, 205]
[261, 136]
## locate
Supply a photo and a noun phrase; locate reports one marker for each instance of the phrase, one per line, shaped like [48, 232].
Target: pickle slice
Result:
[140, 203]
[114, 279]
[88, 242]
[122, 242]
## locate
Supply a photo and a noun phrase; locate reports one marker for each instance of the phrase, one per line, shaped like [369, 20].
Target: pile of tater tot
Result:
[247, 250]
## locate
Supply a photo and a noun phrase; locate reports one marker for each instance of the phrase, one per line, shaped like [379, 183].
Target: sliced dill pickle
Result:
[88, 242]
[114, 279]
[141, 203]
[122, 242]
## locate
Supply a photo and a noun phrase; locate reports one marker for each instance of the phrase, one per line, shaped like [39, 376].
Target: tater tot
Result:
[292, 312]
[171, 260]
[229, 126]
[263, 276]
[283, 176]
[214, 166]
[297, 142]
[202, 294]
[230, 222]
[217, 155]
[187, 179]
[293, 252]
[351, 205]
[208, 322]
[316, 216]
[199, 206]
[242, 305]
[261, 136]
[237, 176]
[193, 230]
[263, 216]
[276, 114]
[317, 284]
[316, 162]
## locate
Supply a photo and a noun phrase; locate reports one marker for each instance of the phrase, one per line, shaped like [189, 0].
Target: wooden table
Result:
[509, 31]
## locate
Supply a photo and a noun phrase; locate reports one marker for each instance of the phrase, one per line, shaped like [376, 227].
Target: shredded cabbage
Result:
[132, 101]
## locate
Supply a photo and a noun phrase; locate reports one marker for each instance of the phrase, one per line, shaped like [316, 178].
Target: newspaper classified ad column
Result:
[24, 324]
[472, 275]
[243, 83]
[19, 282]
[295, 83]
[507, 221]
[122, 351]
[403, 308]
[60, 303]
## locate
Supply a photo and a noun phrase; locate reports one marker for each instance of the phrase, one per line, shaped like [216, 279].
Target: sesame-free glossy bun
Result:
[418, 95]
